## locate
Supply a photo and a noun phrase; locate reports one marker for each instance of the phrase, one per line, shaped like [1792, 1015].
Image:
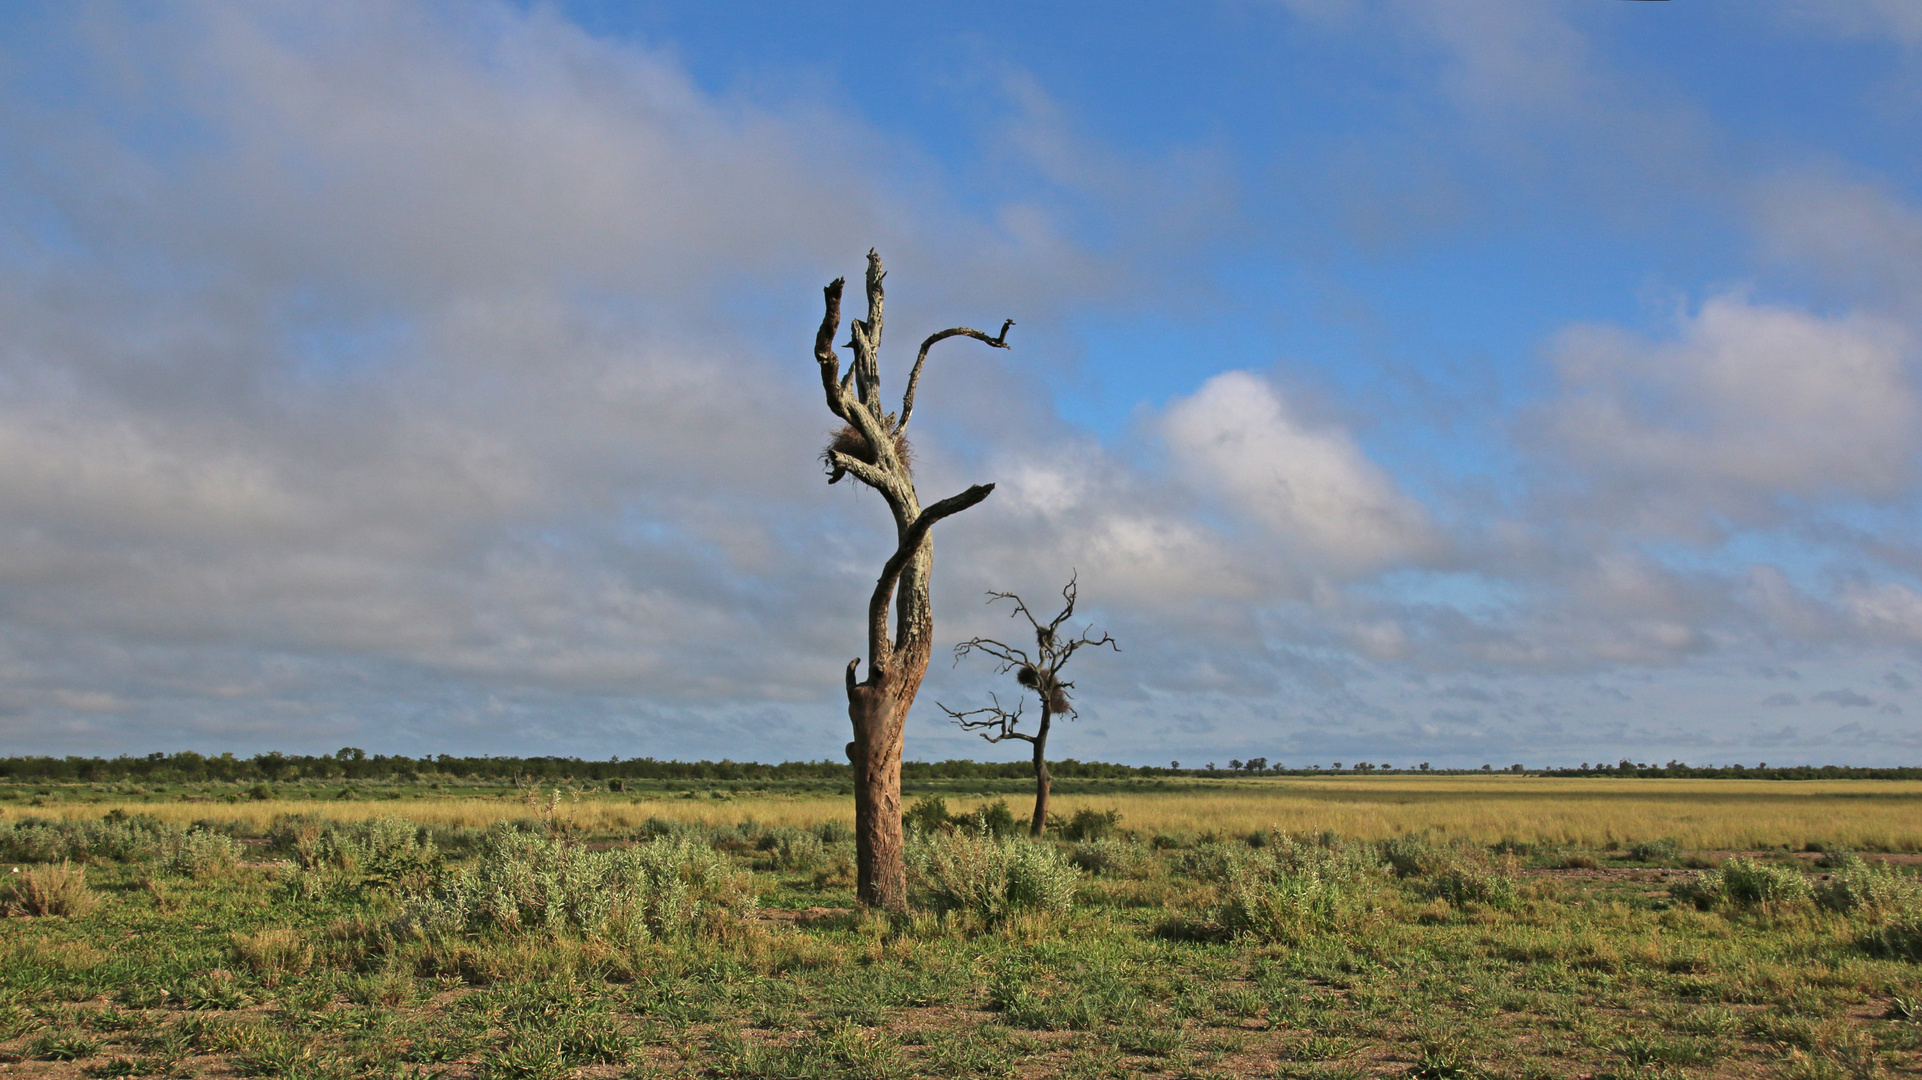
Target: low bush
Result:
[56, 889]
[1664, 850]
[1087, 823]
[928, 815]
[989, 876]
[379, 851]
[1114, 857]
[202, 853]
[1856, 885]
[118, 837]
[1742, 883]
[792, 851]
[1457, 873]
[1292, 891]
[524, 884]
[995, 819]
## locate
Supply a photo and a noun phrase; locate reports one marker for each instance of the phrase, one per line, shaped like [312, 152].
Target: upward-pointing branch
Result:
[914, 377]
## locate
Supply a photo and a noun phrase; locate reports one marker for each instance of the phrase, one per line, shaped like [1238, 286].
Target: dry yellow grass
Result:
[1583, 812]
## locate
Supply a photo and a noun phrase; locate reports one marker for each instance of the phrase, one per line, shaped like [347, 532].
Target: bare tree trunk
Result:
[872, 448]
[1043, 782]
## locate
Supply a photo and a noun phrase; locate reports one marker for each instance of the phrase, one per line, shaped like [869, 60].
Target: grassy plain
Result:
[1592, 813]
[1539, 931]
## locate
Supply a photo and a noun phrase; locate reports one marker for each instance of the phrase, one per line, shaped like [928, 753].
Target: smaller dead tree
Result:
[1039, 674]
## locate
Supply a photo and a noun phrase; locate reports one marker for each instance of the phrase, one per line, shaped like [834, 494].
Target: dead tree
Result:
[1040, 675]
[872, 447]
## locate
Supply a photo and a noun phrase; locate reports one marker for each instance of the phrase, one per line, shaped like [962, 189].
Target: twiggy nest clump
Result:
[851, 442]
[1028, 677]
[1058, 701]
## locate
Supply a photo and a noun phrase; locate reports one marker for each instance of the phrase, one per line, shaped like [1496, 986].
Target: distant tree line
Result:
[1762, 771]
[351, 763]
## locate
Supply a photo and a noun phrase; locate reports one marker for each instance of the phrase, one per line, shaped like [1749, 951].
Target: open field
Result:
[1538, 929]
[1729, 815]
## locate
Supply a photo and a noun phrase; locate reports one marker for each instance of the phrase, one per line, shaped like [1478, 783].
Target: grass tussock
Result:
[55, 889]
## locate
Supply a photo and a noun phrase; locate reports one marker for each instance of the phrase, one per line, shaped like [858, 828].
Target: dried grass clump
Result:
[851, 442]
[274, 954]
[55, 889]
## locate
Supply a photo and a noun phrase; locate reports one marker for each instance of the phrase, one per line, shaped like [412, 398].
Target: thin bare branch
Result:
[998, 724]
[914, 377]
[1009, 656]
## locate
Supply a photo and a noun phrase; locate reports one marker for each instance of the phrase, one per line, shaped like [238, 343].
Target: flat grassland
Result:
[1590, 813]
[1439, 928]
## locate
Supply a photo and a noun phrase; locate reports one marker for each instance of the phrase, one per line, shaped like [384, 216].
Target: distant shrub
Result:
[1164, 841]
[1113, 857]
[995, 819]
[1087, 823]
[928, 815]
[119, 837]
[1664, 850]
[1211, 861]
[56, 889]
[524, 884]
[201, 854]
[792, 850]
[990, 876]
[834, 832]
[1743, 882]
[382, 851]
[659, 828]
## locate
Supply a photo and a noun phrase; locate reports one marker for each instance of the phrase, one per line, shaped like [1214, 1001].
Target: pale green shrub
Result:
[1112, 856]
[1291, 890]
[383, 850]
[1857, 885]
[990, 876]
[792, 850]
[1742, 882]
[1458, 873]
[117, 838]
[527, 884]
[202, 853]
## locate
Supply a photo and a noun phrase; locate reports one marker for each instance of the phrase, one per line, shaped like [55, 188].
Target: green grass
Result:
[1286, 957]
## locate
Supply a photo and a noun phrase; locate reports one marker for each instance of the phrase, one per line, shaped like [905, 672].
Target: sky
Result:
[1448, 381]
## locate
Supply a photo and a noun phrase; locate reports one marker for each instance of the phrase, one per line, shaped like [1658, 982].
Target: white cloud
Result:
[1317, 495]
[1748, 404]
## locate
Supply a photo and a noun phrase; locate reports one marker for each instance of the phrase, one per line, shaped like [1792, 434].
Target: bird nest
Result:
[851, 442]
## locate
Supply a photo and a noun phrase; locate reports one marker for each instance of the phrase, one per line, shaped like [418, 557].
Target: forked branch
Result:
[991, 722]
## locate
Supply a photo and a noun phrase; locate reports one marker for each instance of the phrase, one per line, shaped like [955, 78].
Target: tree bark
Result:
[1043, 781]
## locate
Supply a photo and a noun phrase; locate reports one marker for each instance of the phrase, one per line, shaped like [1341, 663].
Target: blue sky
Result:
[1405, 379]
